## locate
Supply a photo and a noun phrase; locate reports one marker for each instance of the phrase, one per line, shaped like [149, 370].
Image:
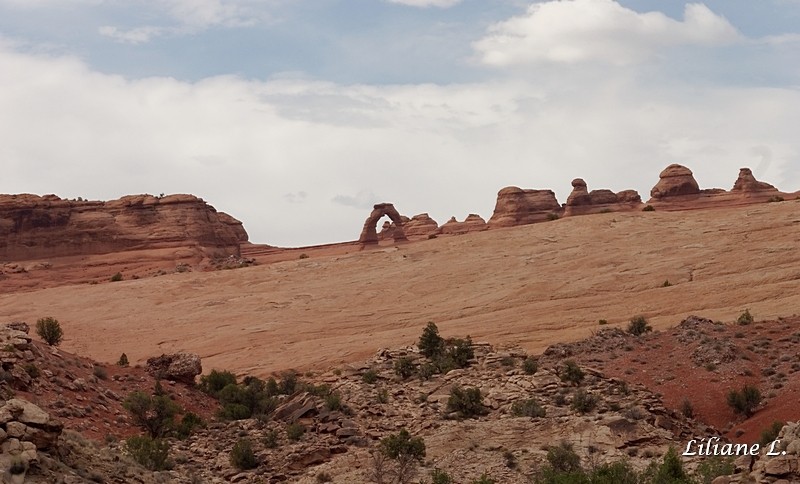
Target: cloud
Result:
[297, 197]
[575, 31]
[362, 200]
[427, 3]
[137, 35]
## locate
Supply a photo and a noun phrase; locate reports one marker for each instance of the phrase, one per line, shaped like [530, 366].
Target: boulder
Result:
[181, 367]
[516, 206]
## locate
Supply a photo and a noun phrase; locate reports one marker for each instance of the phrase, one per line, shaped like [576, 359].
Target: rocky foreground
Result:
[331, 427]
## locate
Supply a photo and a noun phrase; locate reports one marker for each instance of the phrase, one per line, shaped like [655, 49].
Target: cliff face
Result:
[34, 227]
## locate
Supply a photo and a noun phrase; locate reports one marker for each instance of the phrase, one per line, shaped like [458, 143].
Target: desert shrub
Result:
[427, 370]
[404, 367]
[639, 326]
[552, 216]
[288, 383]
[100, 372]
[687, 409]
[333, 402]
[583, 401]
[745, 318]
[188, 424]
[123, 360]
[116, 277]
[242, 455]
[466, 402]
[370, 376]
[324, 477]
[215, 381]
[571, 372]
[32, 370]
[155, 414]
[775, 198]
[295, 431]
[460, 351]
[271, 439]
[49, 330]
[669, 471]
[430, 343]
[439, 476]
[149, 452]
[529, 366]
[744, 401]
[527, 408]
[382, 396]
[402, 445]
[602, 322]
[246, 400]
[770, 433]
[563, 458]
[713, 467]
[507, 361]
[649, 208]
[303, 256]
[484, 479]
[666, 283]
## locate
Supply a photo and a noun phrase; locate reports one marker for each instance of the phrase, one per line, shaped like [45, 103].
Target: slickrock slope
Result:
[33, 227]
[529, 286]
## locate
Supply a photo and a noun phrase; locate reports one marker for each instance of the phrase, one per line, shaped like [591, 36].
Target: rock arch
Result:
[369, 234]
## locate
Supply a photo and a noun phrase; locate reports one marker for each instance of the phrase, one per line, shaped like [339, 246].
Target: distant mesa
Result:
[583, 202]
[516, 206]
[369, 234]
[34, 227]
[473, 223]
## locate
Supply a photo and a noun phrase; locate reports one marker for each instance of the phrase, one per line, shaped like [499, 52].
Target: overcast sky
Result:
[296, 116]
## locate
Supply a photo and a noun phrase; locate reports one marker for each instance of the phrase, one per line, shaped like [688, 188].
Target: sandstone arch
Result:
[369, 234]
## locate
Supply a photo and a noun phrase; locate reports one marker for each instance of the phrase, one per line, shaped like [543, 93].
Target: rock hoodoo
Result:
[473, 223]
[675, 180]
[34, 227]
[746, 182]
[516, 206]
[583, 202]
[369, 234]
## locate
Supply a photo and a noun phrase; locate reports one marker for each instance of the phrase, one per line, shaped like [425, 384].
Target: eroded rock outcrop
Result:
[25, 429]
[473, 223]
[746, 182]
[34, 227]
[675, 180]
[583, 202]
[418, 227]
[181, 367]
[369, 234]
[516, 206]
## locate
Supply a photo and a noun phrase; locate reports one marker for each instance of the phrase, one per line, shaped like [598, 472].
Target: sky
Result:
[296, 116]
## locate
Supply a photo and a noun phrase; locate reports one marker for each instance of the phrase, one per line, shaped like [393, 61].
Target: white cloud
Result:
[138, 35]
[604, 31]
[252, 148]
[427, 3]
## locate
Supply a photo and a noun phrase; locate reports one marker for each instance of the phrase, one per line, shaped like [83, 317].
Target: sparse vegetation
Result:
[49, 330]
[745, 318]
[430, 343]
[402, 449]
[155, 413]
[529, 366]
[295, 431]
[32, 370]
[583, 401]
[465, 402]
[639, 326]
[242, 455]
[687, 409]
[527, 408]
[270, 439]
[123, 360]
[438, 476]
[602, 322]
[116, 277]
[152, 453]
[100, 372]
[404, 367]
[775, 198]
[649, 208]
[770, 433]
[552, 216]
[713, 467]
[666, 283]
[370, 376]
[571, 372]
[744, 401]
[188, 424]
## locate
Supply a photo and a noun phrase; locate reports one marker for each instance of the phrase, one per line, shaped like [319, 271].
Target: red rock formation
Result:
[34, 227]
[746, 182]
[675, 180]
[583, 202]
[369, 234]
[516, 206]
[418, 227]
[473, 223]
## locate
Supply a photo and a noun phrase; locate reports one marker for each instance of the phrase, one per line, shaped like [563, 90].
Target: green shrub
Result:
[32, 370]
[744, 401]
[246, 400]
[49, 330]
[215, 381]
[242, 455]
[288, 383]
[713, 467]
[438, 476]
[370, 376]
[745, 318]
[100, 372]
[770, 434]
[563, 458]
[123, 360]
[669, 471]
[149, 452]
[430, 343]
[271, 439]
[527, 408]
[484, 479]
[649, 208]
[571, 372]
[552, 216]
[188, 424]
[460, 351]
[666, 283]
[116, 277]
[404, 367]
[295, 431]
[583, 402]
[467, 402]
[324, 477]
[333, 402]
[382, 396]
[402, 446]
[639, 326]
[687, 409]
[155, 414]
[602, 322]
[529, 366]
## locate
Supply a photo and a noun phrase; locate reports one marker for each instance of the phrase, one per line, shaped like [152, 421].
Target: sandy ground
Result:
[527, 286]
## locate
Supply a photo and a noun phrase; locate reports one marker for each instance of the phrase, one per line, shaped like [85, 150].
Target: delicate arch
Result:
[369, 234]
